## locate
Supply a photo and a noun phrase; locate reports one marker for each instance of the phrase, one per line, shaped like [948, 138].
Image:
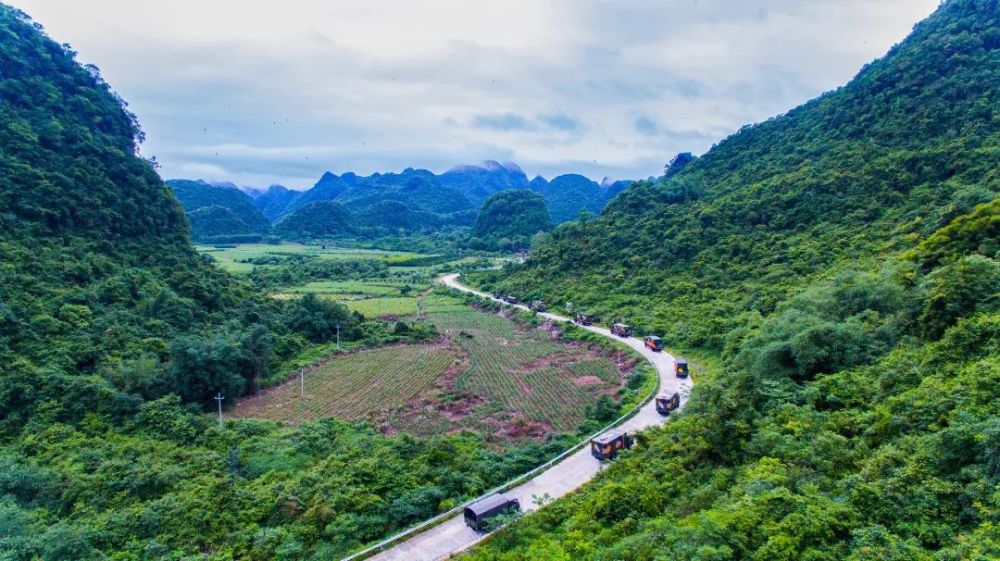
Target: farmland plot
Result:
[488, 373]
[382, 307]
[518, 380]
[353, 386]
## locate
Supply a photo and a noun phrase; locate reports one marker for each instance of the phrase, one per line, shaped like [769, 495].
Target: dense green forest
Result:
[568, 195]
[843, 261]
[215, 212]
[509, 219]
[318, 220]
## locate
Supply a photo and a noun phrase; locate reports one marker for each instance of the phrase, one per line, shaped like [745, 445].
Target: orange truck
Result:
[653, 343]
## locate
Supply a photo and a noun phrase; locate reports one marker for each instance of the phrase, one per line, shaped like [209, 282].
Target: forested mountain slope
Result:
[217, 210]
[844, 261]
[478, 182]
[272, 203]
[509, 219]
[860, 172]
[90, 234]
[567, 195]
[103, 302]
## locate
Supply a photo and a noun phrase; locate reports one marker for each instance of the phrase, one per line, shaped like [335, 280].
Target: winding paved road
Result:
[453, 536]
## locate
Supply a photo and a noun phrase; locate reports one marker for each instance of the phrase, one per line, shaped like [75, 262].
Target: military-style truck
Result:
[584, 319]
[621, 330]
[510, 299]
[667, 403]
[478, 514]
[537, 306]
[607, 445]
[681, 367]
[653, 343]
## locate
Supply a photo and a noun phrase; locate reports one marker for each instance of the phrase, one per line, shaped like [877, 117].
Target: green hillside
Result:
[273, 202]
[859, 173]
[218, 211]
[567, 195]
[317, 220]
[509, 219]
[842, 260]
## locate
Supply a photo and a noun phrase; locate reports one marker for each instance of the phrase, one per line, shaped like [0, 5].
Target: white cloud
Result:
[261, 93]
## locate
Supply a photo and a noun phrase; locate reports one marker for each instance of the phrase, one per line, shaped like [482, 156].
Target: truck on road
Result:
[479, 513]
[653, 343]
[621, 330]
[667, 403]
[584, 319]
[681, 367]
[607, 445]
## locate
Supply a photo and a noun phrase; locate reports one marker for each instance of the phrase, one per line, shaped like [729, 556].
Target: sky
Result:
[261, 93]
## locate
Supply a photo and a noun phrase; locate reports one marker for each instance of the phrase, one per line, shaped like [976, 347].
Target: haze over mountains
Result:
[412, 202]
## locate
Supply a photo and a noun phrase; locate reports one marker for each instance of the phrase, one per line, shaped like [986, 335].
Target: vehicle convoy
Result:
[621, 330]
[653, 343]
[607, 445]
[537, 306]
[510, 299]
[479, 513]
[667, 403]
[681, 367]
[584, 319]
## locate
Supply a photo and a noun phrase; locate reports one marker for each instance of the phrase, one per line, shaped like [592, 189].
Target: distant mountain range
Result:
[412, 202]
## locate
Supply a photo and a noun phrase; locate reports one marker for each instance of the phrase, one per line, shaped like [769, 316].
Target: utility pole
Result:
[219, 398]
[302, 382]
[338, 336]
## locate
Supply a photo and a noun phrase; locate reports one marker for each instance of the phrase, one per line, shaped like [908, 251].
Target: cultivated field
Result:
[232, 258]
[487, 374]
[353, 386]
[520, 379]
[383, 307]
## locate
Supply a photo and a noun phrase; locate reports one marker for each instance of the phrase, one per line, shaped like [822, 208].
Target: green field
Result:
[347, 289]
[232, 258]
[383, 307]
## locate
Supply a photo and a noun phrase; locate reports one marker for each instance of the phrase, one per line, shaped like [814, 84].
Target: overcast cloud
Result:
[279, 92]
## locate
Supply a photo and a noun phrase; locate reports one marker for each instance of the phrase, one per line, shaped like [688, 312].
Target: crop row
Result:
[523, 370]
[353, 386]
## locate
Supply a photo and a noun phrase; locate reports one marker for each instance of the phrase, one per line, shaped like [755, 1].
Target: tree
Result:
[202, 367]
[678, 163]
[257, 346]
[317, 319]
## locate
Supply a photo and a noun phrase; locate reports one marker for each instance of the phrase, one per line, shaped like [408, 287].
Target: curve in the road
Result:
[452, 535]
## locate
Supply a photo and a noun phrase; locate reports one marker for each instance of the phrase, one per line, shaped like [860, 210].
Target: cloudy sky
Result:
[278, 92]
